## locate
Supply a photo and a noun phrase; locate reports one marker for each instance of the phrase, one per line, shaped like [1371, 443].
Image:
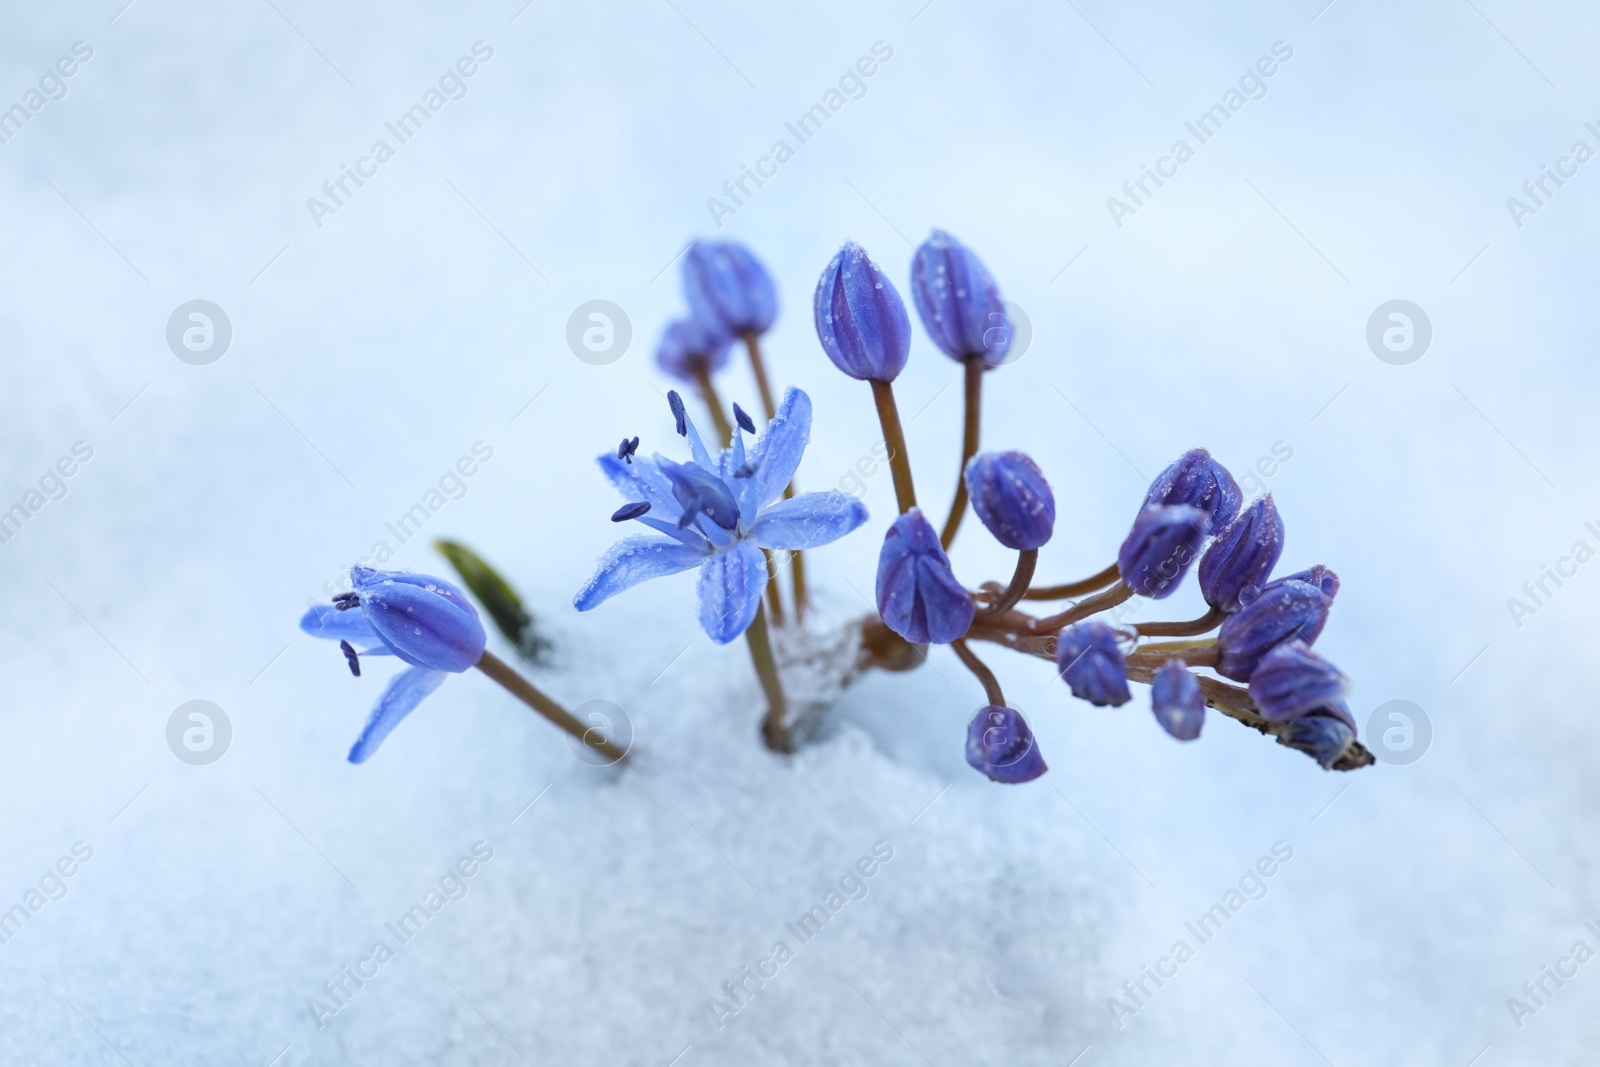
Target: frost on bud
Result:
[1196, 479]
[1292, 680]
[1092, 665]
[860, 318]
[959, 302]
[1012, 499]
[1292, 611]
[919, 597]
[1243, 555]
[1164, 542]
[1000, 744]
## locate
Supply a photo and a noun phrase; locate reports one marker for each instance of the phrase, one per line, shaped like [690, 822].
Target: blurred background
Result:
[375, 339]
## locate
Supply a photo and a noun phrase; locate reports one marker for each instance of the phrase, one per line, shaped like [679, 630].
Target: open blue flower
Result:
[425, 621]
[717, 513]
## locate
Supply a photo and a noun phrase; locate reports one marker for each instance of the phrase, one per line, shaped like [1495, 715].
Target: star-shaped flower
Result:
[717, 513]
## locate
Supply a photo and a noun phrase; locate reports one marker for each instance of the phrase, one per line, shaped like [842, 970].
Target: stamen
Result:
[742, 417]
[748, 469]
[346, 601]
[630, 511]
[626, 450]
[675, 402]
[351, 658]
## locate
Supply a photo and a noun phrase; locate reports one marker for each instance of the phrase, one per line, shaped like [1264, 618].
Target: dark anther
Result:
[626, 450]
[675, 402]
[745, 471]
[346, 601]
[742, 417]
[350, 658]
[630, 511]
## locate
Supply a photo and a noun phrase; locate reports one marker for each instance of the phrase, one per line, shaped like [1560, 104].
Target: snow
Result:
[424, 324]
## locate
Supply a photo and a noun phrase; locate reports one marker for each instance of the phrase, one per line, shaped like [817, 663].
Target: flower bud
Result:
[958, 301]
[1163, 543]
[728, 288]
[1292, 611]
[1178, 704]
[1324, 735]
[1292, 680]
[1000, 744]
[861, 320]
[1091, 664]
[1012, 499]
[1243, 555]
[425, 621]
[1319, 576]
[688, 347]
[1199, 481]
[918, 595]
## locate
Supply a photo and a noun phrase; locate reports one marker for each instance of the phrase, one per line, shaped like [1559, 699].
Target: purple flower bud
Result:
[1176, 699]
[1292, 611]
[1091, 664]
[728, 288]
[1243, 555]
[425, 621]
[1163, 543]
[1292, 680]
[958, 301]
[1000, 744]
[1319, 576]
[688, 347]
[1324, 735]
[1199, 481]
[1012, 499]
[918, 595]
[861, 320]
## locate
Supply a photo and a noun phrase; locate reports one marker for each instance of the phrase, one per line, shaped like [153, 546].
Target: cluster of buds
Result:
[1192, 513]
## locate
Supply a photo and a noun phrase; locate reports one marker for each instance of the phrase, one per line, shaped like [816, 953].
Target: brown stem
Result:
[1176, 646]
[774, 727]
[1027, 560]
[708, 395]
[991, 684]
[798, 578]
[758, 366]
[1190, 657]
[1204, 624]
[523, 690]
[1084, 608]
[1072, 589]
[969, 447]
[1232, 700]
[894, 437]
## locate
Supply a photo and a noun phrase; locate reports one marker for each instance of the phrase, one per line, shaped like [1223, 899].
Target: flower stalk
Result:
[775, 724]
[973, 366]
[525, 691]
[895, 438]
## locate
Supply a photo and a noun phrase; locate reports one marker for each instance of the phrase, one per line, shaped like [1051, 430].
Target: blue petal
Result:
[808, 520]
[731, 584]
[633, 560]
[919, 597]
[777, 451]
[426, 621]
[328, 622]
[641, 480]
[404, 692]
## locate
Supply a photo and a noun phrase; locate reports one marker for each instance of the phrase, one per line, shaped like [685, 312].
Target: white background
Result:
[370, 353]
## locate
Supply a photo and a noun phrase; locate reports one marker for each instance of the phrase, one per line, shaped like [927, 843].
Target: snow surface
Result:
[429, 313]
